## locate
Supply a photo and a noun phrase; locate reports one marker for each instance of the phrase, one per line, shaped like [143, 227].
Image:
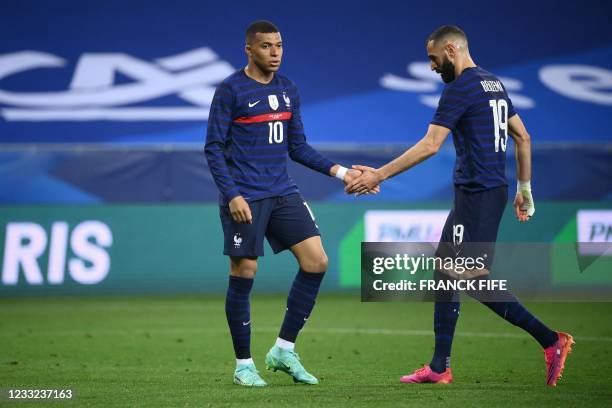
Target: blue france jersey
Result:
[252, 127]
[476, 108]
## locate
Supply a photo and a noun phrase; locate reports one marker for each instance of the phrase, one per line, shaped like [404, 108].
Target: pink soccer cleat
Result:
[555, 356]
[426, 375]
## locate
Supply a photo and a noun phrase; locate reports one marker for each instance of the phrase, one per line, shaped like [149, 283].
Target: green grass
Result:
[174, 352]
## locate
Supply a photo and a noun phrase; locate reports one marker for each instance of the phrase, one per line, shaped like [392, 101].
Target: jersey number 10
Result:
[500, 119]
[276, 132]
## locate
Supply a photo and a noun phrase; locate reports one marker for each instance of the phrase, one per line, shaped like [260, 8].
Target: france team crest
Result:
[273, 101]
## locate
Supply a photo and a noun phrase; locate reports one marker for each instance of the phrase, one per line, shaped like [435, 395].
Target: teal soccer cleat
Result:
[248, 376]
[289, 362]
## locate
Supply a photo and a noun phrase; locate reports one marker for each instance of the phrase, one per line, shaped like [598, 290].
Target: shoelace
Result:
[249, 369]
[421, 370]
[549, 354]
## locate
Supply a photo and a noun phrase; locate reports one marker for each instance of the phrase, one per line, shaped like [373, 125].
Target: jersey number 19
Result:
[500, 119]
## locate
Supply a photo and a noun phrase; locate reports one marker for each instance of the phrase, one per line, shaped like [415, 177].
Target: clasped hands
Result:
[360, 180]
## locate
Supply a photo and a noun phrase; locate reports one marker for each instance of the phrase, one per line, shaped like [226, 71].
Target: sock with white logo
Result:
[300, 302]
[238, 313]
[284, 344]
[446, 314]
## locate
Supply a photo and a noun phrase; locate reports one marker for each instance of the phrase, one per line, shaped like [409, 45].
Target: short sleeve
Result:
[511, 111]
[451, 107]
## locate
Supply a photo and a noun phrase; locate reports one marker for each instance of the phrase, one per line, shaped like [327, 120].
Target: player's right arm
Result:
[219, 123]
[425, 148]
[451, 106]
[524, 206]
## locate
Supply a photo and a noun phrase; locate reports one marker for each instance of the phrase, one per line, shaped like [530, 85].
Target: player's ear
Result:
[451, 50]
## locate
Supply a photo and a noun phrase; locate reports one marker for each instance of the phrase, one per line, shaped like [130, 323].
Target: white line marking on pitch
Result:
[396, 332]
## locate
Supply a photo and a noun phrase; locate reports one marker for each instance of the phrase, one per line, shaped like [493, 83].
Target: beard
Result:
[447, 71]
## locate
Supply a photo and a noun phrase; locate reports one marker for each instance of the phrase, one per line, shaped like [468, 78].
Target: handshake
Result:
[360, 180]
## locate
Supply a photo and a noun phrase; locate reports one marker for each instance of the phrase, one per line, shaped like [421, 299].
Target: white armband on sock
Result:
[341, 173]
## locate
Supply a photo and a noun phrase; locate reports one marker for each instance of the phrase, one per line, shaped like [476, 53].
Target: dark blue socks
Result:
[515, 313]
[446, 314]
[238, 312]
[300, 302]
[506, 305]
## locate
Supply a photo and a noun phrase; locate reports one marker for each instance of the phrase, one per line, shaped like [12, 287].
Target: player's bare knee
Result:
[315, 264]
[243, 267]
[324, 262]
[244, 271]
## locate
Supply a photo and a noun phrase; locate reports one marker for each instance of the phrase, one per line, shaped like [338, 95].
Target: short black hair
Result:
[444, 31]
[260, 26]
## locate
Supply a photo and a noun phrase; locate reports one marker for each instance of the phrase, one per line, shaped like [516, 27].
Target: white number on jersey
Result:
[500, 119]
[276, 132]
[457, 234]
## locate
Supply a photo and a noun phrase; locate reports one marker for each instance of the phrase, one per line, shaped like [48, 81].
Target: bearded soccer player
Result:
[476, 108]
[254, 124]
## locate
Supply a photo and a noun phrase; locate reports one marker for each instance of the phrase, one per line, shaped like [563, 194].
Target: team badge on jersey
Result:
[287, 101]
[273, 101]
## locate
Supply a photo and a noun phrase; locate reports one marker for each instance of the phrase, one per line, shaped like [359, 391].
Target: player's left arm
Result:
[428, 146]
[524, 206]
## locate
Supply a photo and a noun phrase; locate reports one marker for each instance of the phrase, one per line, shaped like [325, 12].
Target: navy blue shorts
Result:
[284, 221]
[471, 227]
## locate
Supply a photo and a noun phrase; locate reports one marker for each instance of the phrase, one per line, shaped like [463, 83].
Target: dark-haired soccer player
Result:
[476, 108]
[254, 123]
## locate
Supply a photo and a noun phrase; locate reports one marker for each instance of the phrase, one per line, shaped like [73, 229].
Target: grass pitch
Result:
[176, 352]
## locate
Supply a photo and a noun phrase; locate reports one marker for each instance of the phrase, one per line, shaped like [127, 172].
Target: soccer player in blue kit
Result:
[476, 108]
[254, 123]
